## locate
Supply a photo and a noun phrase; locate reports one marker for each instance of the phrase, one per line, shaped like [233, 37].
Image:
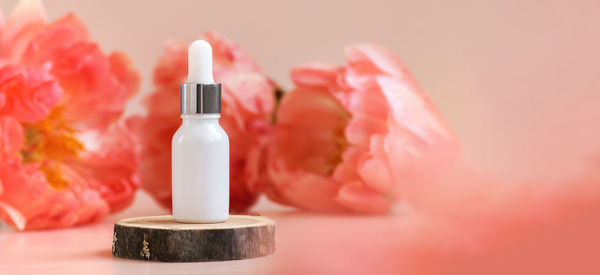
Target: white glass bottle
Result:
[200, 147]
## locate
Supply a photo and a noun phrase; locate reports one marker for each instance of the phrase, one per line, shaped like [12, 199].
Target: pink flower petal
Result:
[123, 70]
[53, 39]
[258, 98]
[228, 56]
[293, 188]
[110, 168]
[155, 139]
[309, 131]
[86, 76]
[29, 93]
[413, 111]
[361, 199]
[11, 136]
[25, 21]
[315, 75]
[361, 128]
[29, 202]
[368, 101]
[13, 215]
[375, 169]
[371, 60]
[346, 169]
[171, 68]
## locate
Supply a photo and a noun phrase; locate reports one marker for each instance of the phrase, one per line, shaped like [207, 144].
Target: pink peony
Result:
[248, 104]
[65, 159]
[354, 138]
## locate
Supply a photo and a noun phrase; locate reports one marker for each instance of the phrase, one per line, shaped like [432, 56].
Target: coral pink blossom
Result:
[65, 159]
[248, 102]
[354, 138]
[466, 223]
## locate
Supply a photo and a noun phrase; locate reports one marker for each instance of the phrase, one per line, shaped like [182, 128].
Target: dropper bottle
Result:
[200, 147]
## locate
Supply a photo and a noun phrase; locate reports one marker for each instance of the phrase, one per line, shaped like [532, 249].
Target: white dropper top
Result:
[200, 63]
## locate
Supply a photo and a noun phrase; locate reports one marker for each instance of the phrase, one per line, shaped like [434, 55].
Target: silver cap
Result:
[197, 98]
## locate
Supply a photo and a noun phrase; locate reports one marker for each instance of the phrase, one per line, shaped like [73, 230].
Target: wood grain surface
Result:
[160, 238]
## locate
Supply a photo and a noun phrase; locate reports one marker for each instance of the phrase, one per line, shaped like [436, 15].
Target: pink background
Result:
[506, 74]
[517, 80]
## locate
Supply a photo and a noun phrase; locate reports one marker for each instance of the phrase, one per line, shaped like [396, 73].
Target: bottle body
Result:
[200, 170]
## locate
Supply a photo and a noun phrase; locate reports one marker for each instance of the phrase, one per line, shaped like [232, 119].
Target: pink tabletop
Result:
[307, 243]
[87, 249]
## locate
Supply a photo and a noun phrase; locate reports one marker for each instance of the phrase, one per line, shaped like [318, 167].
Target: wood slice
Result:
[160, 238]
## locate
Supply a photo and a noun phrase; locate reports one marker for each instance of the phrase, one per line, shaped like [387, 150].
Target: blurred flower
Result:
[352, 138]
[465, 223]
[65, 159]
[248, 101]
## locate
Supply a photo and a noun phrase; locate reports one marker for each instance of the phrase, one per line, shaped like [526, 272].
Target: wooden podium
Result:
[160, 238]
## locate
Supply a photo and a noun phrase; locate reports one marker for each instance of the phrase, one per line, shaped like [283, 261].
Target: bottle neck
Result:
[190, 119]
